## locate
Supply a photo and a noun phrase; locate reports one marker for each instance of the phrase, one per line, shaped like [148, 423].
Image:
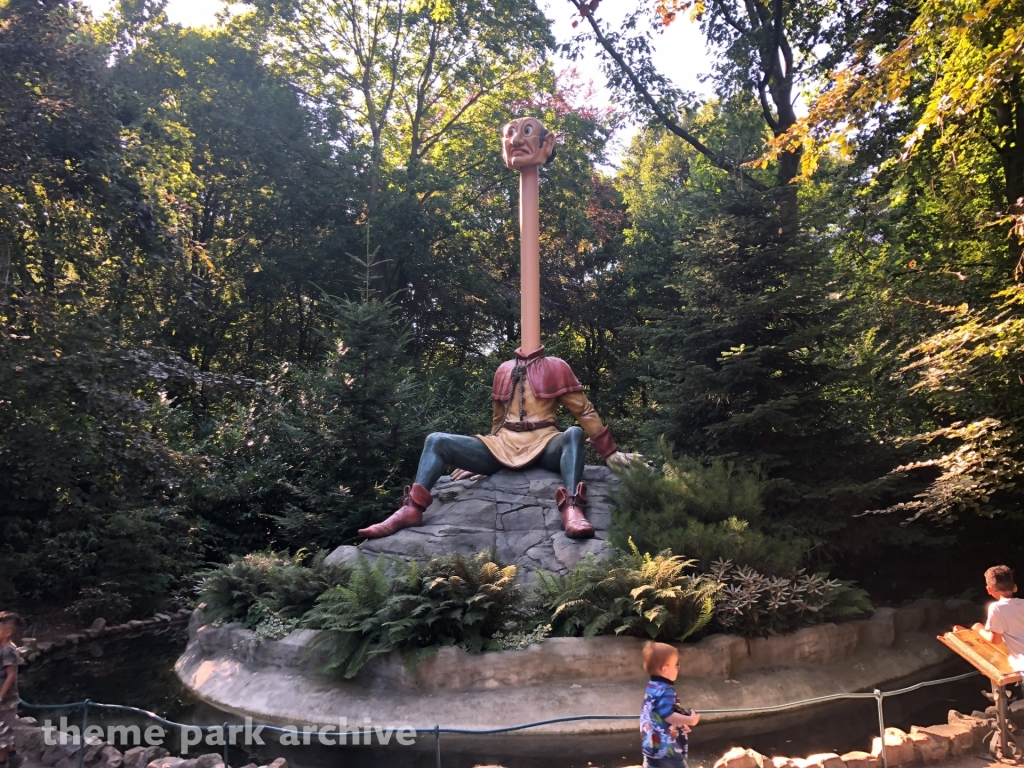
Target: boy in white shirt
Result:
[1005, 616]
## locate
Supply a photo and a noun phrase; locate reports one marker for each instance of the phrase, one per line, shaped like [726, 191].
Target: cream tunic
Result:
[517, 449]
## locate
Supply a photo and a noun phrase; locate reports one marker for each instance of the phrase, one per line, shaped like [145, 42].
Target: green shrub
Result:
[710, 512]
[102, 601]
[756, 605]
[394, 605]
[267, 591]
[518, 636]
[630, 594]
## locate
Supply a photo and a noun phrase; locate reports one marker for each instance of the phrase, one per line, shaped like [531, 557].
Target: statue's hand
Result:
[620, 459]
[462, 474]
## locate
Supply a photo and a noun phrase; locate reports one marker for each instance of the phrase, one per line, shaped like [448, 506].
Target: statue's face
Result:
[525, 142]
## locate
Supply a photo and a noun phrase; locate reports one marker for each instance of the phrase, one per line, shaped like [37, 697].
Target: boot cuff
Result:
[420, 496]
[581, 493]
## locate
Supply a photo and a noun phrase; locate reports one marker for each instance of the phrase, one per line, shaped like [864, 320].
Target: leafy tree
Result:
[86, 470]
[631, 74]
[957, 69]
[406, 74]
[265, 201]
[951, 173]
[70, 205]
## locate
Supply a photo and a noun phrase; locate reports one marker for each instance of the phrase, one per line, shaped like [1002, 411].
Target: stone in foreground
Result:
[512, 513]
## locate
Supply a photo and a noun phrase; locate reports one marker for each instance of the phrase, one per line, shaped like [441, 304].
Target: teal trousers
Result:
[564, 454]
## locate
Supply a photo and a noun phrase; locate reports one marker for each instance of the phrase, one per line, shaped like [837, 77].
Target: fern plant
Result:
[415, 609]
[349, 615]
[267, 591]
[755, 605]
[632, 594]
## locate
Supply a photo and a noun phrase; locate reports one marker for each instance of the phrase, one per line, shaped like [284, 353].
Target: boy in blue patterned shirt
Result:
[663, 722]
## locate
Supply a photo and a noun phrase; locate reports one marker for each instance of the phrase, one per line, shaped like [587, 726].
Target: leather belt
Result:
[527, 426]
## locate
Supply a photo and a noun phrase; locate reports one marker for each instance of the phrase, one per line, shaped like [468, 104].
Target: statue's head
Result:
[525, 141]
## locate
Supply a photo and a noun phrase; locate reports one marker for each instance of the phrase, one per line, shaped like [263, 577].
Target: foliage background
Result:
[244, 270]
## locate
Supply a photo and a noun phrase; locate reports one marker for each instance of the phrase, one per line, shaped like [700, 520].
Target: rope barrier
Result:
[437, 730]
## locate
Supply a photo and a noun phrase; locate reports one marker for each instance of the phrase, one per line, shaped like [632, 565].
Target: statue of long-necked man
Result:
[527, 390]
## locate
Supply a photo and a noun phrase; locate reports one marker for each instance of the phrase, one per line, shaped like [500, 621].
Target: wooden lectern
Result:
[993, 661]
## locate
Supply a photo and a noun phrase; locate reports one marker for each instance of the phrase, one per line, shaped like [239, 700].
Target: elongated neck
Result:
[529, 254]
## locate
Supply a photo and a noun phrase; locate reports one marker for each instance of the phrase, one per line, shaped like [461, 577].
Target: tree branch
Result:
[769, 66]
[716, 159]
[771, 62]
[766, 110]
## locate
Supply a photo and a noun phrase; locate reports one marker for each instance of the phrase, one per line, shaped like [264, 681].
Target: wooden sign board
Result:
[993, 661]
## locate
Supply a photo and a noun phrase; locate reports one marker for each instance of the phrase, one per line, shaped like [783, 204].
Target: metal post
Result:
[881, 727]
[437, 744]
[81, 736]
[224, 735]
[1004, 730]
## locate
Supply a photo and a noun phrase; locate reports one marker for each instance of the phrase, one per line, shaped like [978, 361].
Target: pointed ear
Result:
[549, 146]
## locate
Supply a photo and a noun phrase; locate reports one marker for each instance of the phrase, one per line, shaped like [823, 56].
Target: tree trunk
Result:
[1010, 120]
[1009, 115]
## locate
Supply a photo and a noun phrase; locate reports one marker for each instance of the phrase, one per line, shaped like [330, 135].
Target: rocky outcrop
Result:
[512, 513]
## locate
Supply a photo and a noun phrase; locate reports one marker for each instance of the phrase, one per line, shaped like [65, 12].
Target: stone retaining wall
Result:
[598, 659]
[31, 649]
[30, 744]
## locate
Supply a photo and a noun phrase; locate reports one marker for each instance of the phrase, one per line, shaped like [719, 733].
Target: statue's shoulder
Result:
[548, 364]
[503, 381]
[551, 377]
[553, 363]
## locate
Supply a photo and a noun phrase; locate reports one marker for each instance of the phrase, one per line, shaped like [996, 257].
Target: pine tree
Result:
[351, 427]
[743, 344]
[324, 448]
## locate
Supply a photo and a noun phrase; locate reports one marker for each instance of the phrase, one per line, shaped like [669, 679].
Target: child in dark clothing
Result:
[9, 623]
[663, 722]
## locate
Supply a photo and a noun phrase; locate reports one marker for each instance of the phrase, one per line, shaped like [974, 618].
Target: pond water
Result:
[140, 672]
[137, 671]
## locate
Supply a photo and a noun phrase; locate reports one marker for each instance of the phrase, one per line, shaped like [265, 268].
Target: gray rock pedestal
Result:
[512, 513]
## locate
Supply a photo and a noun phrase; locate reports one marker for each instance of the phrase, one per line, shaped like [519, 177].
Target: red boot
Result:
[414, 503]
[574, 522]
